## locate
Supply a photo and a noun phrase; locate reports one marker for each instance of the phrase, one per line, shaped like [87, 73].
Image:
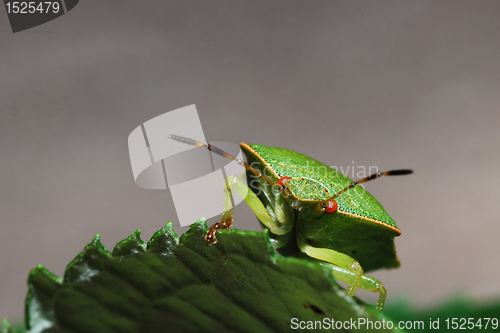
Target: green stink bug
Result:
[323, 215]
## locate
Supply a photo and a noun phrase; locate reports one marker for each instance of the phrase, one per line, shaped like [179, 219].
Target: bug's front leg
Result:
[227, 216]
[345, 268]
[255, 204]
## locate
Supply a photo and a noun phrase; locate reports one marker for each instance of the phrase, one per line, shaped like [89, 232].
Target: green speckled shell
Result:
[317, 181]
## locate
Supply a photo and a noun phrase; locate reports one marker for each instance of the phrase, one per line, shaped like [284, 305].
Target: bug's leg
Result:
[255, 204]
[227, 216]
[336, 258]
[366, 282]
[281, 241]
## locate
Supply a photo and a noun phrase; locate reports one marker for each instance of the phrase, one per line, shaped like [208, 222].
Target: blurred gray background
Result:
[392, 84]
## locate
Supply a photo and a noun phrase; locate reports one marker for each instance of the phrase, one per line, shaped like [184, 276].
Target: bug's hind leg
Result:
[253, 202]
[366, 282]
[344, 268]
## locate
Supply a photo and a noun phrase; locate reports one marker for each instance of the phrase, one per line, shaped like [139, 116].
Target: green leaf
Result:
[183, 285]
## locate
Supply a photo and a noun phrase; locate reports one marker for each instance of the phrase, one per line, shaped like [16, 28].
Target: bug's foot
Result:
[381, 300]
[210, 237]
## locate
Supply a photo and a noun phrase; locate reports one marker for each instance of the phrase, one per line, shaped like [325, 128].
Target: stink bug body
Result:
[314, 210]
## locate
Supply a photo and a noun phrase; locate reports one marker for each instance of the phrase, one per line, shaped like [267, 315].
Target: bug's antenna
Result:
[399, 172]
[222, 153]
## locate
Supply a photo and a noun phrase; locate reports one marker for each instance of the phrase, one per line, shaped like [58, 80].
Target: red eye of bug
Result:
[282, 180]
[331, 206]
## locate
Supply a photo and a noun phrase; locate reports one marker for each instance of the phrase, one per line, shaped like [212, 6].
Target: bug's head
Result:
[330, 205]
